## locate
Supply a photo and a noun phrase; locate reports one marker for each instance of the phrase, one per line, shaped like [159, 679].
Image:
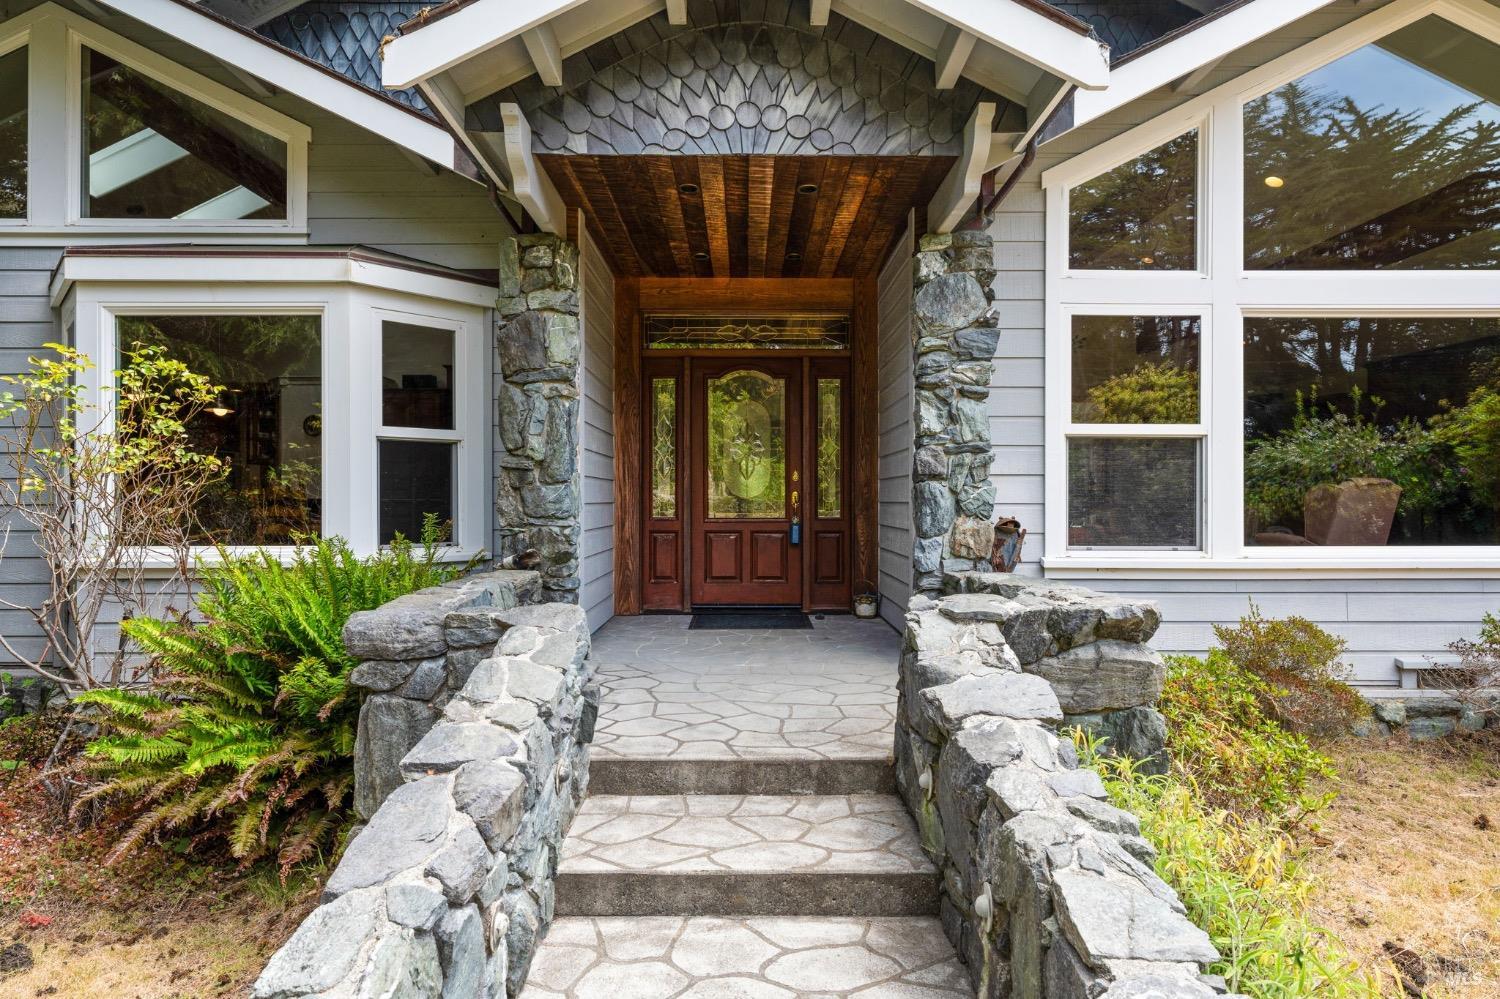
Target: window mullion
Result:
[50, 122]
[1224, 362]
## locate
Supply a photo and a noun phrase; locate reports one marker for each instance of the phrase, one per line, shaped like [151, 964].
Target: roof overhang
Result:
[1198, 45]
[457, 32]
[250, 53]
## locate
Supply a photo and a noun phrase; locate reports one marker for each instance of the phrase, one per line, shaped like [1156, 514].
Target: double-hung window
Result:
[1274, 314]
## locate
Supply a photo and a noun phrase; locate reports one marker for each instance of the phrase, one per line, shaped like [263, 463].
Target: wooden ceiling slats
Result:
[743, 215]
[762, 181]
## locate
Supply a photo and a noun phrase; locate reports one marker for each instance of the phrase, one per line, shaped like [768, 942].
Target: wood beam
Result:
[760, 294]
[817, 12]
[677, 12]
[629, 459]
[546, 54]
[952, 55]
[446, 99]
[528, 181]
[864, 410]
[959, 189]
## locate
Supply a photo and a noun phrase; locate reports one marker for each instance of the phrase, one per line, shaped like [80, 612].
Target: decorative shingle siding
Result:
[1126, 25]
[775, 86]
[346, 38]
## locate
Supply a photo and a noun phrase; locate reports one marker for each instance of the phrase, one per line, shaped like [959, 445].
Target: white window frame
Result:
[351, 298]
[1226, 293]
[469, 472]
[54, 38]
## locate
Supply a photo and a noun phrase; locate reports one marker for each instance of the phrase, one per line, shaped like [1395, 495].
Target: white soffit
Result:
[1203, 44]
[1016, 43]
[252, 54]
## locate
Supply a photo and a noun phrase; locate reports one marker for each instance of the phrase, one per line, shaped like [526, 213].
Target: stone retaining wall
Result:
[1048, 890]
[1430, 715]
[445, 890]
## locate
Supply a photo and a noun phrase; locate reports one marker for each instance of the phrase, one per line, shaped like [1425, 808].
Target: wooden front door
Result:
[745, 449]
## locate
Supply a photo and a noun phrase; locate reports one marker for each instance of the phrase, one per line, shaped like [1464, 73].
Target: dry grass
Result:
[1413, 859]
[153, 927]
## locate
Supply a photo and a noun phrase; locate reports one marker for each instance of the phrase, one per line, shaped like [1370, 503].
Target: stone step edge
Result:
[643, 776]
[747, 893]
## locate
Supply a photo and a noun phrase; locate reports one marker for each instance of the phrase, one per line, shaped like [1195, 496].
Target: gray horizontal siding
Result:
[894, 394]
[597, 441]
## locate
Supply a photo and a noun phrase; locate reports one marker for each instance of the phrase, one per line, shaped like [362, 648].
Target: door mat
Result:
[748, 620]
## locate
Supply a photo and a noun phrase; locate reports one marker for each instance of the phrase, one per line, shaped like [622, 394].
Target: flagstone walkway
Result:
[742, 840]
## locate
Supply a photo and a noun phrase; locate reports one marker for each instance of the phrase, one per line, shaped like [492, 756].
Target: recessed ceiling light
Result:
[688, 188]
[1148, 261]
[700, 256]
[793, 256]
[807, 188]
[1274, 181]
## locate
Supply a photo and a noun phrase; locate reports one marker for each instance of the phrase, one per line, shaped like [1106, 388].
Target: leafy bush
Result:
[1302, 667]
[1240, 879]
[1332, 448]
[1239, 757]
[247, 735]
[1150, 393]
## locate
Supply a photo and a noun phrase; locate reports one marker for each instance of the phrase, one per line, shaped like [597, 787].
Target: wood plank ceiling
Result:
[746, 216]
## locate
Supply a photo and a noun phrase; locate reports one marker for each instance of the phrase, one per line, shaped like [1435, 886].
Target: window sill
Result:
[1150, 565]
[160, 565]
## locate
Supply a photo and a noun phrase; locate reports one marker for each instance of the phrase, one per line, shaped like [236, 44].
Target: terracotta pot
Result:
[1356, 512]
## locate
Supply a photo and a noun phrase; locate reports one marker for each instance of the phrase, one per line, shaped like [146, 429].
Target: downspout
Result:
[986, 208]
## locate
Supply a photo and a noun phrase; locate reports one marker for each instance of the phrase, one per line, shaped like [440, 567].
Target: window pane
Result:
[13, 135]
[1131, 492]
[1141, 215]
[664, 447]
[416, 480]
[830, 447]
[152, 152]
[267, 425]
[810, 332]
[417, 376]
[746, 446]
[1135, 369]
[1388, 157]
[1372, 431]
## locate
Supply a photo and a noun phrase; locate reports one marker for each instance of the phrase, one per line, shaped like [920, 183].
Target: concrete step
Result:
[610, 775]
[767, 958]
[743, 855]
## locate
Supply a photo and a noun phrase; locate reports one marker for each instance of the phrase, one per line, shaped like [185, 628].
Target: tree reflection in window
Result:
[1386, 158]
[13, 134]
[267, 425]
[1141, 215]
[664, 448]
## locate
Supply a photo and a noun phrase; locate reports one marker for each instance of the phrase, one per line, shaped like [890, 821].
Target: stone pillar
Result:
[538, 338]
[954, 329]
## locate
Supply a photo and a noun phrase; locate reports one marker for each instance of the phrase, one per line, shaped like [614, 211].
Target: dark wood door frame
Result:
[635, 296]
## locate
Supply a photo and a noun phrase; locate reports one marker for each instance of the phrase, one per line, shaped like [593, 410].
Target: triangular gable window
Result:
[1142, 215]
[153, 152]
[1388, 157]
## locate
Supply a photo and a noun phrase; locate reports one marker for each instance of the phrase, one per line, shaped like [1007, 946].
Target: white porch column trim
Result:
[529, 183]
[959, 189]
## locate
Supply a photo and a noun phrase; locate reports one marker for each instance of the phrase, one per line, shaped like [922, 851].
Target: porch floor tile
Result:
[672, 693]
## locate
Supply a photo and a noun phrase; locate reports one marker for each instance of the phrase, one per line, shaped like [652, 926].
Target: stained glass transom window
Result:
[809, 332]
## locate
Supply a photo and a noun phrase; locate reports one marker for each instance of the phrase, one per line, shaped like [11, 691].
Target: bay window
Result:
[353, 389]
[1304, 367]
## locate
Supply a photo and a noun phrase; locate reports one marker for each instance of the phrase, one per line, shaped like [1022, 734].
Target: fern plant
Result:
[246, 737]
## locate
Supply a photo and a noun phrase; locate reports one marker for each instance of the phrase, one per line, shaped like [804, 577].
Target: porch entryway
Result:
[742, 836]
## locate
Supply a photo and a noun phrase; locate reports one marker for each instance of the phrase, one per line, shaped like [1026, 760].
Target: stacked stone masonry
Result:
[1047, 890]
[471, 762]
[538, 485]
[955, 330]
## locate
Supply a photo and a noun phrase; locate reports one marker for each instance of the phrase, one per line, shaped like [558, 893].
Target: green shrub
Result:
[1302, 667]
[1241, 880]
[1149, 393]
[246, 736]
[1241, 758]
